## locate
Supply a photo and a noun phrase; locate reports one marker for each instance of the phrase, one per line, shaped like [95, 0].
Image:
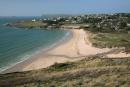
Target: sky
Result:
[39, 7]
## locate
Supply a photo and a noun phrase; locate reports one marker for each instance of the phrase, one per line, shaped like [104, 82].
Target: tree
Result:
[122, 25]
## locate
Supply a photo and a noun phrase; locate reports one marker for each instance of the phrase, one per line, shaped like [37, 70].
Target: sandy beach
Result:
[76, 48]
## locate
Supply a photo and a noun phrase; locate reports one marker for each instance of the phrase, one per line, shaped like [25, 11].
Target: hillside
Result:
[92, 72]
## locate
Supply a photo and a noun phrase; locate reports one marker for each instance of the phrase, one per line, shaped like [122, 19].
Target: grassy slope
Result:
[91, 72]
[111, 40]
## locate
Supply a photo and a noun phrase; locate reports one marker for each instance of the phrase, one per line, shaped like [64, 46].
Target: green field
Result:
[30, 24]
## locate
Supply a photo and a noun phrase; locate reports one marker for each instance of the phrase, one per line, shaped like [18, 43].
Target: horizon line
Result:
[49, 14]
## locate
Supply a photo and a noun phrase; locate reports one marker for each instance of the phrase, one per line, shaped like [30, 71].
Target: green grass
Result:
[111, 40]
[30, 24]
[91, 72]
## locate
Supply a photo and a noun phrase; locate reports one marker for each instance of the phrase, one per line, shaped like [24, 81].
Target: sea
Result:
[18, 45]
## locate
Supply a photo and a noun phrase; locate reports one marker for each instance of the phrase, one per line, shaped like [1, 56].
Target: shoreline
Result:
[64, 39]
[75, 48]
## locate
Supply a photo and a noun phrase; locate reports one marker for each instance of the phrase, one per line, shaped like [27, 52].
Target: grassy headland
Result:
[28, 24]
[118, 22]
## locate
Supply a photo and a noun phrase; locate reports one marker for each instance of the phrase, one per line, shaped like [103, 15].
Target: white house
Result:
[34, 20]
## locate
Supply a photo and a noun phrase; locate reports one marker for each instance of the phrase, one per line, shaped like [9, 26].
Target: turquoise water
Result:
[17, 45]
